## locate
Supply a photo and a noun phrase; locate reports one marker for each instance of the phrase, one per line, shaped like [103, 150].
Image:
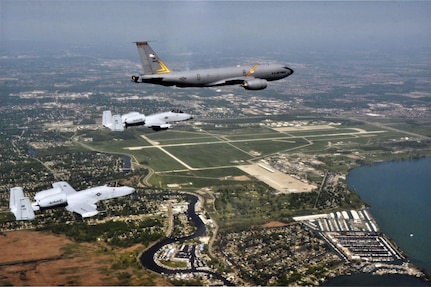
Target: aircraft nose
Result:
[289, 71]
[129, 190]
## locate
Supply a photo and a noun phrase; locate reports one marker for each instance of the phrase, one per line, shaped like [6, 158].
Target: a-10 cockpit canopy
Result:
[177, 111]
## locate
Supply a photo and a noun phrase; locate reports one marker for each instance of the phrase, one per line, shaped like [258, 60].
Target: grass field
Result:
[206, 156]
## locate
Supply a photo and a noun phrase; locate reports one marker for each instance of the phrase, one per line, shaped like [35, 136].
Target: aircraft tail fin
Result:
[151, 63]
[112, 122]
[107, 119]
[20, 205]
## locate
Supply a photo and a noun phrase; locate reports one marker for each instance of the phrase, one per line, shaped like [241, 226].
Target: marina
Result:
[354, 235]
[344, 221]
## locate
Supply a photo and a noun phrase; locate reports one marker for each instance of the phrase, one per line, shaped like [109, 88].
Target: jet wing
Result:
[156, 123]
[83, 208]
[232, 81]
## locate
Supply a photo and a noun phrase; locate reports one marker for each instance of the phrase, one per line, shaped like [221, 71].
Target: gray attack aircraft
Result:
[160, 121]
[255, 77]
[82, 202]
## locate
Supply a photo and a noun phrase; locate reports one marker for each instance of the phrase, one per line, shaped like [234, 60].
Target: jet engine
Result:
[255, 84]
[135, 78]
[133, 119]
[45, 193]
[52, 200]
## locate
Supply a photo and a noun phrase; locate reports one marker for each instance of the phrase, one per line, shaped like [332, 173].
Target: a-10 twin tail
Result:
[82, 202]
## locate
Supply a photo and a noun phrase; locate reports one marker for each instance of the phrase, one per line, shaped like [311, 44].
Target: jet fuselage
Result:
[219, 76]
[255, 77]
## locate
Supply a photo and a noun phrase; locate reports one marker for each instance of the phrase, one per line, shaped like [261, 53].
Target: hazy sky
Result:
[249, 26]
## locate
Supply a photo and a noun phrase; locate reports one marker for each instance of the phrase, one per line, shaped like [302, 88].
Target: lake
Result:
[399, 195]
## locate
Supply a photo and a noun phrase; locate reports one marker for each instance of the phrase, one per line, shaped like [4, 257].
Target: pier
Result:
[354, 235]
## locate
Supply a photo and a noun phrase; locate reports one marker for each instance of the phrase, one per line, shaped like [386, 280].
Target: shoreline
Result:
[397, 236]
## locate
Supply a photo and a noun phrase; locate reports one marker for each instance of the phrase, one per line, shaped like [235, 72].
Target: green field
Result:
[191, 180]
[178, 137]
[196, 158]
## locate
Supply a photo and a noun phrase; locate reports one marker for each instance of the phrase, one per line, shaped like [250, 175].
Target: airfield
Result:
[194, 155]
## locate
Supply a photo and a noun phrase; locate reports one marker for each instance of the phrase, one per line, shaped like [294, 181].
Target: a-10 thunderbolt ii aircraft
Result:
[160, 121]
[61, 193]
[254, 77]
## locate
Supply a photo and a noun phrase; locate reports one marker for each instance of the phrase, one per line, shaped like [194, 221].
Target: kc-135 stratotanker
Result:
[254, 77]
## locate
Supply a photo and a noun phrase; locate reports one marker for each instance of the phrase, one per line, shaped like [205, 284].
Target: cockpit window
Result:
[177, 111]
[114, 184]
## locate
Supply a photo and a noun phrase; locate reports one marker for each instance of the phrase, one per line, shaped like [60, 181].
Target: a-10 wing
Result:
[83, 208]
[156, 123]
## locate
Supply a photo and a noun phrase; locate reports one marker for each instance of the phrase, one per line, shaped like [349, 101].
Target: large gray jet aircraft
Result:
[255, 77]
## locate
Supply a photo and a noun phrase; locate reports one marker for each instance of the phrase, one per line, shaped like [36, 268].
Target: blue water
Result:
[399, 194]
[366, 279]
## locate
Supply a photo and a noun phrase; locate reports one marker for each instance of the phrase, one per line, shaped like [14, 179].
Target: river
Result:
[147, 258]
[399, 196]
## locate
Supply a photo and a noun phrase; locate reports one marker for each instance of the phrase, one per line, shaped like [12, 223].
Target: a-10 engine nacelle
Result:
[52, 200]
[45, 193]
[133, 119]
[49, 197]
[255, 84]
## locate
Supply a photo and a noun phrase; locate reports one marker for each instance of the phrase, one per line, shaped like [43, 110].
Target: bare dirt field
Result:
[276, 179]
[304, 128]
[39, 258]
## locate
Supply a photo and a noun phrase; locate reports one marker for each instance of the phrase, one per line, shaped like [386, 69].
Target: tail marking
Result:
[151, 63]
